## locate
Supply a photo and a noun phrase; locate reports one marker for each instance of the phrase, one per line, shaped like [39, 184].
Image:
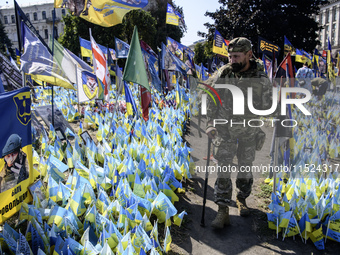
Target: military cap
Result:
[239, 44]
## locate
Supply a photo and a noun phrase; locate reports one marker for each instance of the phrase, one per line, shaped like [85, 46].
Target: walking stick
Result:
[206, 183]
[199, 123]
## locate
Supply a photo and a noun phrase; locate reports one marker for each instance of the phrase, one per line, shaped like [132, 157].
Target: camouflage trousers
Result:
[225, 153]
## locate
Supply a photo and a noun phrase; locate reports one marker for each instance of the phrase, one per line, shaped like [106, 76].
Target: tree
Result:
[151, 28]
[203, 52]
[5, 42]
[271, 19]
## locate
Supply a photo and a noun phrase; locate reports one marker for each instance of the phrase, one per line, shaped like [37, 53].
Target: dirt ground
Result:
[248, 235]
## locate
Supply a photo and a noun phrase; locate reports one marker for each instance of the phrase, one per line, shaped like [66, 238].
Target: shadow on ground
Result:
[246, 235]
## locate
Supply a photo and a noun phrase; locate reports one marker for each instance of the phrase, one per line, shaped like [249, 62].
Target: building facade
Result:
[329, 18]
[40, 15]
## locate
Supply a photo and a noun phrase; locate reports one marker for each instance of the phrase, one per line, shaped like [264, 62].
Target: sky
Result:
[194, 11]
[194, 18]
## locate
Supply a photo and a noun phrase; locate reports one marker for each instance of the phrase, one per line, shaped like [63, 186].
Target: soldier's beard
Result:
[237, 67]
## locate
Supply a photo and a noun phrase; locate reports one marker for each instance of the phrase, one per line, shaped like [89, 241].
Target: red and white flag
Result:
[100, 66]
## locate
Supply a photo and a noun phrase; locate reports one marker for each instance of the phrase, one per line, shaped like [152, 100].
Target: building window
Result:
[12, 19]
[35, 16]
[333, 33]
[5, 19]
[333, 14]
[63, 12]
[55, 32]
[28, 16]
[321, 18]
[46, 33]
[43, 15]
[327, 16]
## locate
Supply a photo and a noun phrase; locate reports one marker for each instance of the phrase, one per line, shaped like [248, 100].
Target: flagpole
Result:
[52, 103]
[17, 23]
[76, 68]
[19, 40]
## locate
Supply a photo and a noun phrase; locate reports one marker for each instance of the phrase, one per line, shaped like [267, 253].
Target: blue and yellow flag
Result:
[152, 70]
[220, 45]
[18, 55]
[303, 57]
[175, 47]
[170, 62]
[172, 16]
[130, 102]
[106, 13]
[86, 49]
[14, 183]
[288, 47]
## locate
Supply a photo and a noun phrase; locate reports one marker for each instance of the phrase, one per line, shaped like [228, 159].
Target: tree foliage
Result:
[151, 28]
[271, 19]
[76, 27]
[158, 11]
[203, 52]
[5, 42]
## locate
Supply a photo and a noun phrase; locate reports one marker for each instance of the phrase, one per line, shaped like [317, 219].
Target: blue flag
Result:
[152, 70]
[171, 62]
[122, 48]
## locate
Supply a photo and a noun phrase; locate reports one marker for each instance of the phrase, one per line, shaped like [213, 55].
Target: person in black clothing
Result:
[320, 87]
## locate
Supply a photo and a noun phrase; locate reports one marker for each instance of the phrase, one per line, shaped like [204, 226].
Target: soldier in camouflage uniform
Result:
[238, 140]
[15, 169]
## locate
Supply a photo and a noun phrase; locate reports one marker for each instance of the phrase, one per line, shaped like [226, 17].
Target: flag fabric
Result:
[178, 95]
[220, 45]
[100, 65]
[175, 47]
[86, 49]
[105, 13]
[285, 70]
[17, 111]
[65, 61]
[267, 62]
[145, 96]
[170, 62]
[152, 70]
[303, 57]
[268, 47]
[130, 102]
[178, 218]
[330, 65]
[167, 240]
[147, 48]
[2, 89]
[80, 62]
[18, 56]
[88, 88]
[122, 48]
[38, 62]
[317, 238]
[288, 47]
[134, 70]
[172, 16]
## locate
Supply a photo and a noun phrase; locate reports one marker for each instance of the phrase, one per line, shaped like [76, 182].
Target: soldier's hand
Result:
[16, 168]
[211, 132]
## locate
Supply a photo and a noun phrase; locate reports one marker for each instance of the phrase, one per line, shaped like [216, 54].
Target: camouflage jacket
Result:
[11, 176]
[254, 77]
